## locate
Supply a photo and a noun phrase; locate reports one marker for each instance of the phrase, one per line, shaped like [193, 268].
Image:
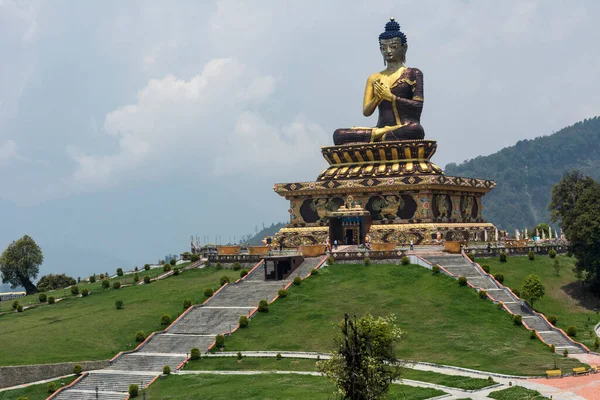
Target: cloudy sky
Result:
[127, 126]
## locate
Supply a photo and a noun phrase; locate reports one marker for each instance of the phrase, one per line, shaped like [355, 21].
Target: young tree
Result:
[20, 263]
[533, 289]
[363, 364]
[556, 267]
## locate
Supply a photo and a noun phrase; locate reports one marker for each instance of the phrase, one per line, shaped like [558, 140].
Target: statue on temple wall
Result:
[396, 92]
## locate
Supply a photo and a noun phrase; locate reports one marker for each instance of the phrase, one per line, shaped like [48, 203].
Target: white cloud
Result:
[8, 151]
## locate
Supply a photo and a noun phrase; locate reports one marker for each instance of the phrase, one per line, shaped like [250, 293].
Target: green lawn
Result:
[443, 322]
[565, 297]
[90, 328]
[516, 393]
[303, 364]
[34, 392]
[263, 387]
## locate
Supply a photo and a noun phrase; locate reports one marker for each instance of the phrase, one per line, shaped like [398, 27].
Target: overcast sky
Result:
[126, 126]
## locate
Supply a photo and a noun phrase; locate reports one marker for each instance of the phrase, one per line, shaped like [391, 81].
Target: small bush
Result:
[297, 281]
[330, 260]
[176, 271]
[471, 255]
[133, 390]
[435, 269]
[486, 268]
[482, 294]
[517, 292]
[224, 279]
[19, 308]
[15, 304]
[572, 331]
[165, 319]
[596, 343]
[552, 253]
[243, 273]
[51, 387]
[194, 257]
[173, 261]
[219, 341]
[208, 292]
[74, 290]
[166, 370]
[500, 305]
[499, 278]
[239, 355]
[314, 271]
[119, 271]
[219, 266]
[85, 292]
[146, 279]
[278, 357]
[532, 334]
[531, 255]
[166, 267]
[105, 284]
[243, 321]
[282, 293]
[116, 285]
[503, 256]
[42, 297]
[77, 369]
[140, 336]
[517, 319]
[405, 260]
[187, 303]
[136, 277]
[195, 354]
[263, 306]
[93, 279]
[367, 261]
[119, 304]
[236, 266]
[102, 276]
[136, 269]
[552, 348]
[462, 281]
[51, 300]
[565, 352]
[552, 319]
[146, 267]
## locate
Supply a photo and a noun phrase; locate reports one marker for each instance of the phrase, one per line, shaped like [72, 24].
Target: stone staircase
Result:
[196, 329]
[457, 266]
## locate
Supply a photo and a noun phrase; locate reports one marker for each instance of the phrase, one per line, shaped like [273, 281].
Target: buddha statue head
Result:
[392, 43]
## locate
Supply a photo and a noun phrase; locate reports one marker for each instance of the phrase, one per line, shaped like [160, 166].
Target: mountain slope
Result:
[525, 173]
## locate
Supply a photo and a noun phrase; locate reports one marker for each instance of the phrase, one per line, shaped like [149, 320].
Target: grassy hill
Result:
[526, 172]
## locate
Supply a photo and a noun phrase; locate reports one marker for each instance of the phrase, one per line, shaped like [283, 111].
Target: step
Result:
[537, 323]
[517, 308]
[501, 295]
[146, 362]
[177, 343]
[112, 382]
[209, 321]
[463, 270]
[482, 282]
[71, 394]
[247, 294]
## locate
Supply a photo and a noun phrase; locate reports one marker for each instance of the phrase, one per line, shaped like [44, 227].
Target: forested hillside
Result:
[525, 173]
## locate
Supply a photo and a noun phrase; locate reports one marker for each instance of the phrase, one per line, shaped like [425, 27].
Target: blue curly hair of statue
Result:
[392, 30]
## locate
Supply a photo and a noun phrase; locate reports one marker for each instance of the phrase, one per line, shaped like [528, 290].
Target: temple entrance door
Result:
[349, 234]
[336, 231]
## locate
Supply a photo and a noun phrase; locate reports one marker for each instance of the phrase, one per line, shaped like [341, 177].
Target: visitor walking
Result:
[335, 244]
[412, 245]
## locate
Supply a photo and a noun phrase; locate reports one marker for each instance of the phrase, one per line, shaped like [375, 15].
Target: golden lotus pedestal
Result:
[390, 191]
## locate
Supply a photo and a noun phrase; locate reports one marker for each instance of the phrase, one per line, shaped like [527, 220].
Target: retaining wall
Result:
[19, 374]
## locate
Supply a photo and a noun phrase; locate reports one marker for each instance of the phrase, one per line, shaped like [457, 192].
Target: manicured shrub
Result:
[552, 253]
[102, 276]
[532, 334]
[552, 348]
[282, 293]
[119, 304]
[224, 279]
[85, 292]
[19, 308]
[173, 261]
[243, 273]
[78, 279]
[136, 269]
[517, 319]
[297, 281]
[208, 292]
[314, 271]
[218, 265]
[503, 256]
[195, 354]
[486, 268]
[136, 277]
[116, 285]
[367, 261]
[278, 356]
[42, 297]
[119, 271]
[482, 294]
[517, 292]
[140, 336]
[462, 281]
[405, 260]
[236, 266]
[93, 279]
[15, 304]
[565, 352]
[74, 290]
[219, 341]
[166, 268]
[147, 267]
[77, 369]
[572, 331]
[51, 387]
[187, 303]
[499, 277]
[165, 319]
[239, 355]
[166, 370]
[105, 284]
[596, 343]
[330, 260]
[51, 300]
[435, 269]
[176, 271]
[194, 257]
[471, 255]
[243, 321]
[531, 255]
[263, 306]
[133, 390]
[552, 319]
[500, 305]
[146, 279]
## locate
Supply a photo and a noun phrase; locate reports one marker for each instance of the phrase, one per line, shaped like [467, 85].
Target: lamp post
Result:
[96, 392]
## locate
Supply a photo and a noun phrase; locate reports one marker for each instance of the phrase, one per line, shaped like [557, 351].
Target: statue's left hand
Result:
[382, 91]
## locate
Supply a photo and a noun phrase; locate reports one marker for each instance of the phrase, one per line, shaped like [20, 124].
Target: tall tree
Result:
[20, 263]
[533, 289]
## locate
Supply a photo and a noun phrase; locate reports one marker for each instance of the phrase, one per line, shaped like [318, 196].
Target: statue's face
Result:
[392, 50]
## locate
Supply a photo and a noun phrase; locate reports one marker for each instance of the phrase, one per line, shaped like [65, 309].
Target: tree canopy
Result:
[533, 289]
[20, 263]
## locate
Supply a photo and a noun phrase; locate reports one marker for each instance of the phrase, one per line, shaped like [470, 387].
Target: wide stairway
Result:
[458, 266]
[197, 329]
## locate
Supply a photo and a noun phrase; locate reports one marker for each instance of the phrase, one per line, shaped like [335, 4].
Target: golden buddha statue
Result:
[397, 93]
